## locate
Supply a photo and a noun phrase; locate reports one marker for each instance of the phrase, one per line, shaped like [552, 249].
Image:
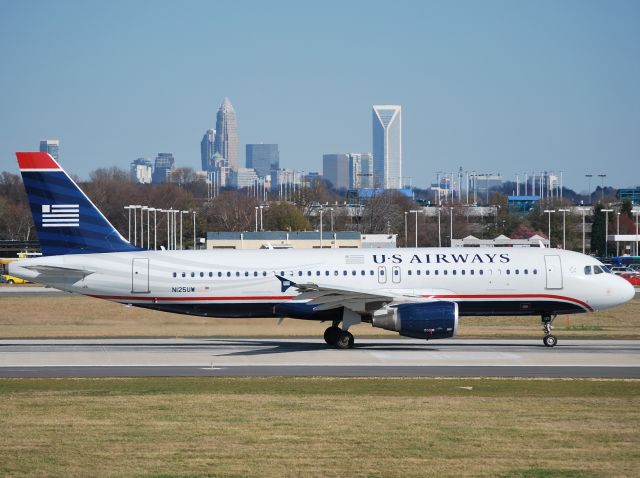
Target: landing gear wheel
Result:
[331, 335]
[550, 340]
[345, 340]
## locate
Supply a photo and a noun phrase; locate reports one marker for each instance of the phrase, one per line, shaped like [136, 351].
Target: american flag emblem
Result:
[60, 215]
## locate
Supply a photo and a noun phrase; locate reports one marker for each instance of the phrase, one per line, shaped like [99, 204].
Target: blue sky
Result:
[494, 86]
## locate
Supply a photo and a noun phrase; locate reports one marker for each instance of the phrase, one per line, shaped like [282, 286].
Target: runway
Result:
[311, 357]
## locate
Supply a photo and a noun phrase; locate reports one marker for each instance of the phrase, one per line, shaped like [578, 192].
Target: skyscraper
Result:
[264, 158]
[141, 171]
[51, 146]
[207, 150]
[226, 142]
[387, 146]
[335, 169]
[164, 164]
[360, 171]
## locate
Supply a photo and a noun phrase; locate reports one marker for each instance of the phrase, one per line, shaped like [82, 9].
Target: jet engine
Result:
[429, 320]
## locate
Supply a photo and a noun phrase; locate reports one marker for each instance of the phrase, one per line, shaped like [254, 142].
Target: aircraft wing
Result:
[325, 298]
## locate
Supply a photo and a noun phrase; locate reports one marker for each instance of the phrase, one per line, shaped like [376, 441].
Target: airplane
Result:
[417, 292]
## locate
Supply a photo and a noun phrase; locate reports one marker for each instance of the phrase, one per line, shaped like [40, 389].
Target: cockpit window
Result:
[587, 270]
[597, 270]
[606, 269]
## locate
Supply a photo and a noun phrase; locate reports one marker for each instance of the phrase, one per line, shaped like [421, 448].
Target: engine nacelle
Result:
[430, 320]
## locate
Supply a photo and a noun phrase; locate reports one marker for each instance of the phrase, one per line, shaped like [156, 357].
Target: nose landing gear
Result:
[547, 326]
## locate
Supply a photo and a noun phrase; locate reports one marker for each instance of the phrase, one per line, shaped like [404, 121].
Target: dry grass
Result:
[319, 427]
[78, 316]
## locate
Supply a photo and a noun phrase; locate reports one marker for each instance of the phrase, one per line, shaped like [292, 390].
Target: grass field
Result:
[319, 427]
[78, 316]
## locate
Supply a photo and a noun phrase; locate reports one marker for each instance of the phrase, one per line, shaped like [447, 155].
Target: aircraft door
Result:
[553, 268]
[382, 274]
[140, 276]
[396, 274]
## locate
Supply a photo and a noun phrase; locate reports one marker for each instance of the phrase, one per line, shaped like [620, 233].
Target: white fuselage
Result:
[243, 283]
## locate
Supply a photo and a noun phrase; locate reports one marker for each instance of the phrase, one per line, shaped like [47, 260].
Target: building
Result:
[51, 146]
[226, 139]
[335, 169]
[141, 171]
[220, 173]
[286, 240]
[632, 194]
[500, 241]
[264, 158]
[207, 150]
[522, 205]
[387, 146]
[164, 164]
[360, 170]
[245, 178]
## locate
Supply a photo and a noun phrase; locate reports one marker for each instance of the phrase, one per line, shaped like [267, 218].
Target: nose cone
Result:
[626, 290]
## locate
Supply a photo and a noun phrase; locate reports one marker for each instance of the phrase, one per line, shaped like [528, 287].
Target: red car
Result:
[632, 277]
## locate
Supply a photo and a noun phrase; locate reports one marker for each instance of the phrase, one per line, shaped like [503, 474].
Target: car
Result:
[632, 277]
[635, 267]
[619, 269]
[8, 279]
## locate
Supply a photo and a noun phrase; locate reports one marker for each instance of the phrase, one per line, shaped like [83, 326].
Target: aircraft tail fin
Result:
[66, 220]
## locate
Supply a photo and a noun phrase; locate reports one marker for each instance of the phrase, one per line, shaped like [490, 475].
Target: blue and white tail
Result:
[66, 220]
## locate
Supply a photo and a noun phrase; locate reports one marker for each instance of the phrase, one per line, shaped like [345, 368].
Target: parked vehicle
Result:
[619, 269]
[8, 279]
[632, 277]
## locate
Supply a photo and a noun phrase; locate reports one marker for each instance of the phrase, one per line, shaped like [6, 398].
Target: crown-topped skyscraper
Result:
[226, 142]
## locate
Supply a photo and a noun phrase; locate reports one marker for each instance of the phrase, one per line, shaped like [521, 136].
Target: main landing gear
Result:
[547, 326]
[341, 337]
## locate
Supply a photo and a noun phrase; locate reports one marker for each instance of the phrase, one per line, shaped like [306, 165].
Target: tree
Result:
[285, 217]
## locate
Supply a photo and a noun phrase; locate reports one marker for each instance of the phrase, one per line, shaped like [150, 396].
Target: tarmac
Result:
[312, 357]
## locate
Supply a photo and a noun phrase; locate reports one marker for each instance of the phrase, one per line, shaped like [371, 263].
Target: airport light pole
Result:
[617, 234]
[451, 229]
[331, 213]
[606, 229]
[148, 227]
[256, 218]
[584, 210]
[261, 207]
[135, 224]
[589, 176]
[405, 229]
[415, 211]
[194, 231]
[321, 227]
[142, 208]
[129, 233]
[168, 211]
[439, 230]
[564, 225]
[549, 211]
[636, 213]
[602, 176]
[181, 235]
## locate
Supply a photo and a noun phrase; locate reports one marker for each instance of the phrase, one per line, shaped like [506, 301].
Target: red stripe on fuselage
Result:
[512, 296]
[36, 160]
[289, 297]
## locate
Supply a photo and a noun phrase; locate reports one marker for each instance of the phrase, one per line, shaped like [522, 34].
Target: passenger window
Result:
[526, 271]
[353, 272]
[517, 271]
[193, 274]
[481, 272]
[184, 274]
[418, 272]
[396, 272]
[409, 272]
[228, 274]
[264, 273]
[237, 273]
[435, 272]
[255, 273]
[454, 272]
[175, 275]
[299, 273]
[445, 272]
[309, 273]
[426, 272]
[472, 271]
[219, 274]
[462, 272]
[362, 272]
[210, 274]
[335, 273]
[371, 273]
[535, 271]
[508, 271]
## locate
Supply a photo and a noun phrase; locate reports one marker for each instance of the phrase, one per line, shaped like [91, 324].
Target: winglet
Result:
[285, 283]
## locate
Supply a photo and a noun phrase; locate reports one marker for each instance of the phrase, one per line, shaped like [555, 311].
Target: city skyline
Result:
[498, 87]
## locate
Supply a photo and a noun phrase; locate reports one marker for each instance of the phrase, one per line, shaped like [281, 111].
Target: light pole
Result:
[584, 210]
[168, 211]
[129, 233]
[256, 218]
[181, 235]
[415, 211]
[135, 224]
[606, 229]
[564, 217]
[194, 231]
[451, 229]
[405, 229]
[439, 231]
[261, 228]
[321, 227]
[602, 176]
[142, 208]
[589, 176]
[148, 227]
[331, 212]
[549, 211]
[618, 233]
